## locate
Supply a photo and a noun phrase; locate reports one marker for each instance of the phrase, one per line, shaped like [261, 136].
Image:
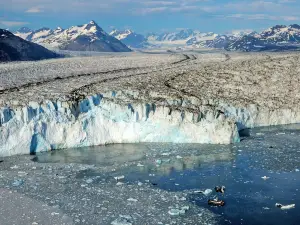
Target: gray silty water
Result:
[273, 152]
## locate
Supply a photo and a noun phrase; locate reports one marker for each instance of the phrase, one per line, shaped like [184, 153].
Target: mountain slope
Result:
[87, 37]
[130, 38]
[13, 48]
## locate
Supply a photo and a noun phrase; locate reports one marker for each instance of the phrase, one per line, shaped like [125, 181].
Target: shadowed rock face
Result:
[13, 48]
[144, 98]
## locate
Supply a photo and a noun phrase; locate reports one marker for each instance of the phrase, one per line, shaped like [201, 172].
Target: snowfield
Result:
[135, 97]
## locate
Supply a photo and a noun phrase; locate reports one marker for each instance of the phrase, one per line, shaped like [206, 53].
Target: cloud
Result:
[158, 3]
[246, 31]
[13, 23]
[291, 18]
[146, 11]
[253, 6]
[263, 17]
[101, 6]
[34, 10]
[287, 1]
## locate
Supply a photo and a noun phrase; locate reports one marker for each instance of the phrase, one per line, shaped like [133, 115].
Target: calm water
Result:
[273, 152]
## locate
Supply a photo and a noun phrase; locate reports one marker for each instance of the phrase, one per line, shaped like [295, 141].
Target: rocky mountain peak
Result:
[24, 30]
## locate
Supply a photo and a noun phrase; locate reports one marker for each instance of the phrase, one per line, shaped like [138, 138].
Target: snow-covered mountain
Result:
[92, 38]
[184, 37]
[87, 37]
[23, 32]
[130, 38]
[13, 48]
[184, 34]
[219, 42]
[279, 37]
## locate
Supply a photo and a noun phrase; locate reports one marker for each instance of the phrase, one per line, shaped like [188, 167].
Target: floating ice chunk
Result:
[206, 192]
[266, 208]
[284, 207]
[119, 178]
[166, 160]
[140, 165]
[132, 200]
[119, 183]
[179, 157]
[89, 181]
[158, 161]
[265, 177]
[166, 154]
[185, 208]
[14, 167]
[177, 212]
[174, 212]
[22, 173]
[140, 183]
[122, 220]
[18, 183]
[297, 170]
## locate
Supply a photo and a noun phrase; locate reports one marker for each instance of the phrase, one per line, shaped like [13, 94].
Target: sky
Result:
[143, 16]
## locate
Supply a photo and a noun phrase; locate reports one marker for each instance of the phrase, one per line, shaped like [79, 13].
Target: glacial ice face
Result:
[252, 116]
[98, 120]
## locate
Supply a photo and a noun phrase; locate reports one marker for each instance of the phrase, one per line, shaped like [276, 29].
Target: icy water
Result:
[273, 152]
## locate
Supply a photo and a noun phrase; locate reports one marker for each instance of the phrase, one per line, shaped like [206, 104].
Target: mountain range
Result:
[87, 37]
[13, 48]
[91, 37]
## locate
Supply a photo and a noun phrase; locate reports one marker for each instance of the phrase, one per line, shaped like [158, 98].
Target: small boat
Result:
[216, 202]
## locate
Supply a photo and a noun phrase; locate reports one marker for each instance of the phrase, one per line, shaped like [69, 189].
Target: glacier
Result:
[98, 120]
[181, 98]
[102, 119]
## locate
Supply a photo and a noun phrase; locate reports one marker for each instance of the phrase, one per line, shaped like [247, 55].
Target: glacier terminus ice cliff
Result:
[138, 97]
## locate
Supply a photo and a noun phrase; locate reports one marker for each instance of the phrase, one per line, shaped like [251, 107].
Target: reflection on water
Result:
[161, 158]
[104, 155]
[269, 151]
